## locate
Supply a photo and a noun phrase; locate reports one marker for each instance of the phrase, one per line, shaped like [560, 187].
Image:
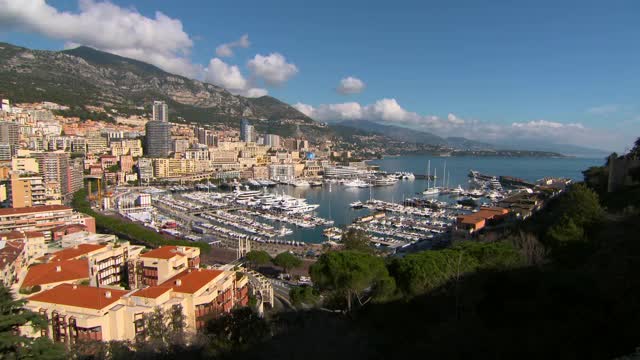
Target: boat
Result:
[457, 191]
[300, 183]
[385, 181]
[356, 205]
[315, 183]
[355, 183]
[430, 190]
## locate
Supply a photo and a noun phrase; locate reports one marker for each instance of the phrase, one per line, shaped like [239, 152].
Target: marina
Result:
[392, 204]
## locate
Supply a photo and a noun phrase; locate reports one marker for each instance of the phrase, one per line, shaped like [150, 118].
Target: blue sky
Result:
[563, 71]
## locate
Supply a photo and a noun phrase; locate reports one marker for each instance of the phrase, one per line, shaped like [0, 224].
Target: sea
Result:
[334, 199]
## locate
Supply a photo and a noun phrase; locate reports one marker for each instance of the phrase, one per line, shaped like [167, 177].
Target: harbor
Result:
[395, 207]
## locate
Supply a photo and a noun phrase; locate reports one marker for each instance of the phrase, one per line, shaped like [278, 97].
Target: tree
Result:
[424, 271]
[236, 331]
[287, 261]
[581, 204]
[258, 257]
[566, 231]
[303, 295]
[357, 240]
[352, 274]
[13, 315]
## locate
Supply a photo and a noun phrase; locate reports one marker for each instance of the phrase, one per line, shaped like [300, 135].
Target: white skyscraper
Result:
[160, 111]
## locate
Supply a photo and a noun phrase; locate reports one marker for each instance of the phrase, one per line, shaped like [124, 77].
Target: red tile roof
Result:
[69, 270]
[191, 280]
[79, 296]
[11, 251]
[32, 209]
[75, 252]
[152, 292]
[164, 252]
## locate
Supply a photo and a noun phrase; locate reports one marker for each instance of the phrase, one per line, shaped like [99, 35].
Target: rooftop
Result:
[164, 252]
[151, 292]
[80, 296]
[191, 281]
[75, 252]
[33, 209]
[55, 272]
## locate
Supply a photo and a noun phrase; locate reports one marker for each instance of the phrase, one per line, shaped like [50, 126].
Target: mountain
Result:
[85, 76]
[566, 149]
[395, 132]
[415, 136]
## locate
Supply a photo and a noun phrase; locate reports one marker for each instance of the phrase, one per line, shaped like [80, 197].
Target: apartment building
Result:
[76, 312]
[159, 265]
[43, 219]
[168, 278]
[25, 191]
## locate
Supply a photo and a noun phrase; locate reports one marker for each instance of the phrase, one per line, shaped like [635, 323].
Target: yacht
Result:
[430, 190]
[315, 183]
[300, 183]
[355, 183]
[385, 181]
[457, 191]
[357, 205]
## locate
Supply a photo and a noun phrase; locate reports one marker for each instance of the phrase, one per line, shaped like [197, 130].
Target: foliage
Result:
[13, 315]
[287, 261]
[303, 295]
[566, 231]
[581, 204]
[258, 257]
[126, 229]
[236, 331]
[357, 240]
[164, 328]
[597, 178]
[352, 274]
[421, 272]
[532, 250]
[30, 290]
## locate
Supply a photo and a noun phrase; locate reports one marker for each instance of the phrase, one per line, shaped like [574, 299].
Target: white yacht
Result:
[300, 183]
[356, 183]
[430, 190]
[385, 181]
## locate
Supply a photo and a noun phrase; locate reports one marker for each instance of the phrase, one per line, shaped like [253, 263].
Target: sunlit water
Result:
[334, 199]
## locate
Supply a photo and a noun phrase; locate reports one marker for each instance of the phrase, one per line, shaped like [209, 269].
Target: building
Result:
[58, 168]
[272, 140]
[49, 275]
[76, 312]
[10, 134]
[157, 139]
[145, 169]
[25, 191]
[96, 143]
[12, 261]
[281, 172]
[157, 266]
[247, 131]
[5, 152]
[160, 111]
[43, 219]
[477, 221]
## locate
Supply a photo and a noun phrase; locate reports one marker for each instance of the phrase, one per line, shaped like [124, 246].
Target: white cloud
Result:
[159, 40]
[226, 50]
[389, 111]
[350, 85]
[229, 77]
[273, 68]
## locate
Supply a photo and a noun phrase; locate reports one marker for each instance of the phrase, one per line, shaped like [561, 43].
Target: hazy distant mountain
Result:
[566, 149]
[85, 76]
[415, 136]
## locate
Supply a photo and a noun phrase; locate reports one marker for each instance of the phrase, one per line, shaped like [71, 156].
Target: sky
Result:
[500, 71]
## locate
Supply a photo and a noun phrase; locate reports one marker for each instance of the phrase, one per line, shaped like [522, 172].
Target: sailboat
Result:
[430, 190]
